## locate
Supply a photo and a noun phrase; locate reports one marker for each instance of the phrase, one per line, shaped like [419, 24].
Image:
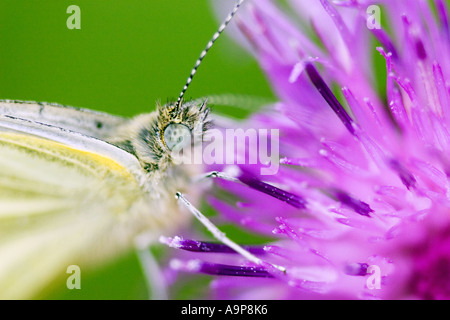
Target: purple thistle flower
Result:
[360, 207]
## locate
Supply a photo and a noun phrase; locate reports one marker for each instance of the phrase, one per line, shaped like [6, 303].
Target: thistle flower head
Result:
[360, 206]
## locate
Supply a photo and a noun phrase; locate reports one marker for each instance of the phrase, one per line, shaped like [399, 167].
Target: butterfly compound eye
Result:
[177, 135]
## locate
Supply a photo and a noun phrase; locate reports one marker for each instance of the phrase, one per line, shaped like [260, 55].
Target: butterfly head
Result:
[161, 139]
[180, 126]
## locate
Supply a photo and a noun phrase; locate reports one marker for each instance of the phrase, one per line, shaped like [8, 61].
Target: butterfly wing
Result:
[67, 197]
[62, 206]
[56, 203]
[90, 123]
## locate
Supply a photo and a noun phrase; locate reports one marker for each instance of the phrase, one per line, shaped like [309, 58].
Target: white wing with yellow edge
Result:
[67, 198]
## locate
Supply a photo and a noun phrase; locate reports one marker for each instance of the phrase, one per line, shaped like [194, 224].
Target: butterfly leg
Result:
[214, 174]
[219, 235]
[156, 285]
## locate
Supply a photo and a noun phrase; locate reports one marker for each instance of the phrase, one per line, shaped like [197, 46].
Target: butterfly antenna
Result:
[205, 51]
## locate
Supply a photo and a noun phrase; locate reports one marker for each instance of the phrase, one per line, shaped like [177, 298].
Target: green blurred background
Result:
[127, 55]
